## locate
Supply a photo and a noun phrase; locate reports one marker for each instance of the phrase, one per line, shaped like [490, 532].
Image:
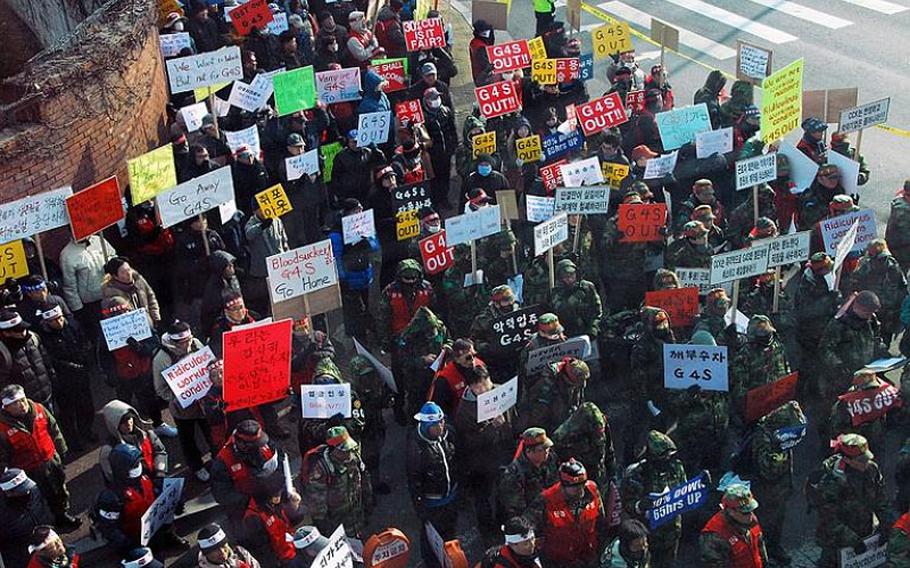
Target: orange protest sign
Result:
[762, 400]
[642, 223]
[257, 364]
[95, 208]
[680, 303]
[253, 14]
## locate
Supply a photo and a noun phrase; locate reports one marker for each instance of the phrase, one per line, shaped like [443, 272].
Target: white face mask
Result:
[135, 472]
[434, 228]
[434, 103]
[178, 26]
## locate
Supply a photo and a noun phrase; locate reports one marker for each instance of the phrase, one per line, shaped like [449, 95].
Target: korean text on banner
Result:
[409, 112]
[528, 149]
[302, 164]
[252, 14]
[203, 70]
[495, 402]
[300, 271]
[497, 99]
[274, 202]
[257, 364]
[753, 63]
[411, 197]
[787, 249]
[594, 200]
[336, 554]
[614, 173]
[34, 214]
[394, 71]
[876, 554]
[753, 171]
[586, 72]
[539, 208]
[610, 39]
[582, 172]
[833, 230]
[864, 116]
[338, 86]
[196, 196]
[679, 126]
[661, 165]
[12, 261]
[473, 226]
[358, 226]
[762, 400]
[483, 143]
[782, 102]
[424, 34]
[578, 347]
[635, 100]
[325, 401]
[689, 365]
[373, 128]
[294, 90]
[95, 208]
[552, 175]
[436, 254]
[642, 223]
[248, 137]
[512, 330]
[866, 405]
[152, 173]
[681, 304]
[384, 373]
[550, 233]
[162, 510]
[173, 44]
[119, 329]
[739, 264]
[537, 48]
[567, 69]
[509, 56]
[686, 496]
[713, 142]
[601, 114]
[189, 377]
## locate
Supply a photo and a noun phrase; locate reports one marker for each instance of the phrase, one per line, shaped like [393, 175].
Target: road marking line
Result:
[805, 13]
[879, 6]
[728, 18]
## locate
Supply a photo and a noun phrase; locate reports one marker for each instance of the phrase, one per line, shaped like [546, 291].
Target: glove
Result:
[859, 548]
[132, 343]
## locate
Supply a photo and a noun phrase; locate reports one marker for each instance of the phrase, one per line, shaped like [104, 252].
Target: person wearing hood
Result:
[362, 45]
[400, 302]
[556, 395]
[222, 279]
[733, 536]
[125, 426]
[650, 398]
[82, 263]
[440, 126]
[22, 509]
[203, 30]
[897, 232]
[421, 344]
[742, 95]
[576, 302]
[269, 520]
[485, 177]
[249, 176]
[265, 236]
[47, 550]
[481, 68]
[121, 281]
[474, 125]
[586, 436]
[691, 250]
[216, 550]
[191, 251]
[712, 94]
[520, 549]
[352, 171]
[880, 273]
[451, 380]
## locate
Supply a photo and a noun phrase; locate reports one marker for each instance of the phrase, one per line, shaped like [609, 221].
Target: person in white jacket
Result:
[82, 263]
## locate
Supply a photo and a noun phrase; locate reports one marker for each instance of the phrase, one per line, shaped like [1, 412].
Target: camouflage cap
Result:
[820, 261]
[694, 229]
[786, 415]
[360, 365]
[409, 265]
[565, 266]
[864, 377]
[533, 437]
[548, 325]
[703, 212]
[338, 437]
[759, 324]
[739, 498]
[652, 316]
[853, 446]
[763, 227]
[659, 444]
[715, 297]
[575, 370]
[632, 198]
[502, 292]
[572, 472]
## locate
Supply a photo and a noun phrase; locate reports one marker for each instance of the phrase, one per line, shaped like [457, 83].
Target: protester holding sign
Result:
[760, 360]
[733, 536]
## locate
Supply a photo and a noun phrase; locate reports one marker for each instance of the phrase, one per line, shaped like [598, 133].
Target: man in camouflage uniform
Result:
[421, 342]
[556, 395]
[880, 272]
[657, 472]
[898, 231]
[534, 468]
[702, 194]
[843, 421]
[586, 436]
[742, 220]
[500, 359]
[711, 319]
[761, 360]
[461, 303]
[536, 273]
[336, 485]
[549, 332]
[498, 258]
[375, 396]
[691, 250]
[815, 200]
[312, 431]
[716, 236]
[733, 527]
[623, 267]
[576, 302]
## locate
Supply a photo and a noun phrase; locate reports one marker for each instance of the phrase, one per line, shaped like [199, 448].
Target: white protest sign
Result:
[582, 200]
[787, 249]
[849, 171]
[699, 278]
[678, 127]
[173, 44]
[802, 167]
[582, 172]
[437, 544]
[357, 226]
[250, 97]
[300, 271]
[843, 247]
[325, 401]
[193, 115]
[288, 478]
[538, 359]
[550, 233]
[304, 164]
[833, 230]
[189, 377]
[739, 264]
[497, 401]
[34, 214]
[162, 510]
[473, 225]
[340, 85]
[539, 208]
[384, 373]
[248, 137]
[661, 165]
[373, 128]
[118, 329]
[752, 62]
[713, 142]
[738, 318]
[753, 171]
[875, 555]
[226, 210]
[703, 365]
[864, 116]
[278, 24]
[196, 196]
[336, 554]
[209, 68]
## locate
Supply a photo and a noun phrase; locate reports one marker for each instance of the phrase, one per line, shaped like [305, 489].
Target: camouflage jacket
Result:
[898, 232]
[550, 402]
[882, 275]
[520, 483]
[643, 478]
[681, 253]
[621, 261]
[579, 308]
[755, 365]
[848, 344]
[337, 493]
[846, 500]
[586, 436]
[814, 304]
[537, 282]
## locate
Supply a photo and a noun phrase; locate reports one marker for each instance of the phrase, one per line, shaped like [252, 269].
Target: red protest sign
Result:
[509, 56]
[253, 14]
[497, 99]
[435, 254]
[567, 69]
[393, 72]
[552, 175]
[681, 304]
[95, 208]
[600, 114]
[635, 100]
[424, 34]
[409, 112]
[762, 400]
[642, 223]
[257, 364]
[871, 404]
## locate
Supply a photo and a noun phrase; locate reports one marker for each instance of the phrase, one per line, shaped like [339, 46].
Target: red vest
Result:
[240, 472]
[136, 501]
[148, 456]
[364, 38]
[453, 377]
[277, 525]
[903, 523]
[566, 539]
[402, 312]
[30, 449]
[745, 552]
[35, 563]
[129, 364]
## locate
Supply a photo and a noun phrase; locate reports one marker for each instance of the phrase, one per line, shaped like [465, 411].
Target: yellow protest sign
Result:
[609, 39]
[12, 261]
[781, 102]
[537, 48]
[202, 93]
[528, 149]
[407, 226]
[274, 202]
[484, 143]
[614, 173]
[151, 173]
[543, 71]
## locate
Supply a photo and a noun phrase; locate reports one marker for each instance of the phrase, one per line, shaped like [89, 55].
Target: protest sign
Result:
[274, 202]
[642, 223]
[325, 401]
[357, 226]
[550, 233]
[529, 149]
[95, 208]
[781, 102]
[373, 128]
[538, 359]
[713, 142]
[411, 197]
[753, 171]
[762, 400]
[483, 143]
[551, 175]
[321, 301]
[687, 496]
[790, 436]
[635, 100]
[753, 63]
[699, 278]
[35, 214]
[573, 14]
[384, 373]
[497, 99]
[302, 164]
[196, 196]
[336, 554]
[665, 35]
[864, 116]
[867, 405]
[508, 205]
[537, 48]
[614, 173]
[586, 67]
[702, 365]
[582, 172]
[162, 510]
[13, 263]
[118, 329]
[257, 364]
[151, 173]
[681, 304]
[567, 69]
[338, 86]
[436, 254]
[558, 144]
[393, 71]
[600, 114]
[173, 44]
[188, 378]
[509, 55]
[301, 270]
[494, 13]
[828, 104]
[679, 126]
[251, 14]
[248, 137]
[437, 544]
[739, 264]
[424, 34]
[833, 230]
[205, 69]
[539, 208]
[787, 249]
[610, 39]
[328, 153]
[473, 225]
[512, 330]
[849, 171]
[495, 402]
[407, 225]
[875, 555]
[661, 165]
[802, 168]
[278, 24]
[409, 112]
[294, 90]
[192, 116]
[594, 200]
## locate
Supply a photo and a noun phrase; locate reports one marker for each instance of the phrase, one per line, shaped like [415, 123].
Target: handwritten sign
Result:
[681, 304]
[118, 329]
[782, 102]
[34, 214]
[864, 116]
[509, 56]
[257, 364]
[540, 208]
[424, 34]
[274, 202]
[336, 554]
[497, 99]
[295, 90]
[173, 44]
[613, 174]
[325, 401]
[300, 271]
[302, 164]
[787, 249]
[593, 200]
[205, 69]
[409, 112]
[833, 230]
[687, 496]
[876, 554]
[550, 233]
[152, 173]
[358, 226]
[13, 263]
[753, 63]
[196, 196]
[189, 377]
[252, 14]
[95, 208]
[601, 114]
[679, 126]
[661, 165]
[582, 172]
[713, 142]
[753, 171]
[739, 264]
[610, 39]
[483, 143]
[537, 48]
[868, 405]
[373, 128]
[642, 223]
[702, 365]
[338, 86]
[538, 359]
[248, 137]
[497, 401]
[513, 330]
[437, 256]
[162, 510]
[394, 71]
[473, 225]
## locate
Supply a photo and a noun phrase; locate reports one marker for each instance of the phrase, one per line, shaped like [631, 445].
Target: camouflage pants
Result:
[773, 498]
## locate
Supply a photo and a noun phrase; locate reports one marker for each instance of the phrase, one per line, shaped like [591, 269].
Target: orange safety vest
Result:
[745, 551]
[277, 525]
[567, 540]
[32, 449]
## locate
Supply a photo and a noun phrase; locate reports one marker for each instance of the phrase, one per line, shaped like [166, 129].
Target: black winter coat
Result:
[27, 365]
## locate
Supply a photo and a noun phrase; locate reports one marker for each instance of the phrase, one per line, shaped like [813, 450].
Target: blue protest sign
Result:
[586, 72]
[668, 505]
[558, 144]
[679, 126]
[790, 436]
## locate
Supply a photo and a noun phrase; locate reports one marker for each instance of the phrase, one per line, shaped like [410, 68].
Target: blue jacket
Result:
[374, 100]
[354, 279]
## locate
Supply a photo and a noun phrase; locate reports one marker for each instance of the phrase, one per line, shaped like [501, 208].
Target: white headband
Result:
[14, 482]
[18, 396]
[11, 323]
[516, 538]
[186, 334]
[51, 535]
[305, 541]
[213, 540]
[139, 562]
[52, 313]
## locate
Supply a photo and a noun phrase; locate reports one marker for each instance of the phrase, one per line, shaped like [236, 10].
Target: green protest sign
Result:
[295, 90]
[329, 151]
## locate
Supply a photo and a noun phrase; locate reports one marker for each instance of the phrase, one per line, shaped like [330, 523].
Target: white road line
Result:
[804, 13]
[879, 6]
[728, 18]
[688, 38]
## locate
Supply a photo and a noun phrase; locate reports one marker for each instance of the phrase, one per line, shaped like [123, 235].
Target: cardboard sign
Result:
[601, 114]
[713, 142]
[34, 214]
[828, 104]
[248, 137]
[473, 225]
[358, 226]
[424, 34]
[642, 223]
[95, 208]
[787, 249]
[373, 128]
[661, 165]
[294, 90]
[384, 373]
[550, 233]
[864, 116]
[300, 271]
[304, 164]
[876, 555]
[665, 34]
[539, 208]
[582, 172]
[192, 116]
[205, 69]
[336, 554]
[567, 69]
[703, 365]
[782, 102]
[407, 225]
[762, 400]
[151, 173]
[681, 304]
[753, 63]
[409, 112]
[849, 171]
[118, 329]
[514, 329]
[252, 14]
[573, 14]
[543, 71]
[483, 143]
[508, 205]
[680, 125]
[497, 99]
[635, 100]
[393, 71]
[739, 264]
[257, 364]
[610, 39]
[319, 302]
[328, 153]
[325, 401]
[833, 230]
[196, 196]
[338, 86]
[537, 48]
[559, 144]
[13, 263]
[753, 171]
[189, 377]
[494, 13]
[551, 175]
[496, 402]
[274, 202]
[582, 200]
[538, 359]
[614, 173]
[687, 496]
[173, 44]
[436, 255]
[509, 56]
[867, 405]
[162, 510]
[802, 168]
[529, 149]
